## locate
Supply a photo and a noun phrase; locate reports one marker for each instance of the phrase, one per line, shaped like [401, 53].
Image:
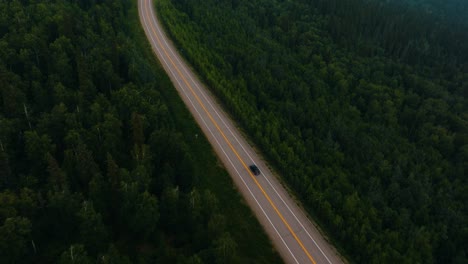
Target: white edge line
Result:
[230, 161]
[251, 159]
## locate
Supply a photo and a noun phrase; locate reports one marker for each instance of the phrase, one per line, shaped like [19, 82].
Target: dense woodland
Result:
[360, 105]
[98, 158]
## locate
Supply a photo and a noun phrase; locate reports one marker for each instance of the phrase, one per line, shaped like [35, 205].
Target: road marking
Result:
[230, 161]
[232, 148]
[241, 145]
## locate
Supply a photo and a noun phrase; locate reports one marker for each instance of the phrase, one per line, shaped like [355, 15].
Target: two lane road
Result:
[293, 235]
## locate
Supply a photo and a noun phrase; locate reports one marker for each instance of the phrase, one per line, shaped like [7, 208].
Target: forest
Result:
[99, 162]
[360, 105]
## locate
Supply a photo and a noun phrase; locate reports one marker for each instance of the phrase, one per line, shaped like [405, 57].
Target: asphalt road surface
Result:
[294, 236]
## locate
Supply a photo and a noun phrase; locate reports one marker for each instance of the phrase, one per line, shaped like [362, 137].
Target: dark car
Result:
[254, 169]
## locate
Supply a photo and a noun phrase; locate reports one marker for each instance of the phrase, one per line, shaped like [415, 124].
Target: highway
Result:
[292, 233]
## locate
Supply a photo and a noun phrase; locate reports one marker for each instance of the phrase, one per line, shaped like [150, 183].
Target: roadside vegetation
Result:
[360, 105]
[99, 162]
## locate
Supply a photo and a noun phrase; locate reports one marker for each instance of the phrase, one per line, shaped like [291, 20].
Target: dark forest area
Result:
[98, 158]
[359, 104]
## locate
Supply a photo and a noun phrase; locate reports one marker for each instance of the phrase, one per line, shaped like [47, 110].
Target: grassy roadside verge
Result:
[253, 244]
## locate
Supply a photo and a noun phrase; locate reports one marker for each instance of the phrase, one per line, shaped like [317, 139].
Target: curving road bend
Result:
[292, 233]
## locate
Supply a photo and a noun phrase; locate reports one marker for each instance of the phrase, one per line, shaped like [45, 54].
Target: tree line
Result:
[360, 105]
[95, 162]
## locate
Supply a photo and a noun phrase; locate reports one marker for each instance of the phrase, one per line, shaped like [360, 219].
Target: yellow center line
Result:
[229, 143]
